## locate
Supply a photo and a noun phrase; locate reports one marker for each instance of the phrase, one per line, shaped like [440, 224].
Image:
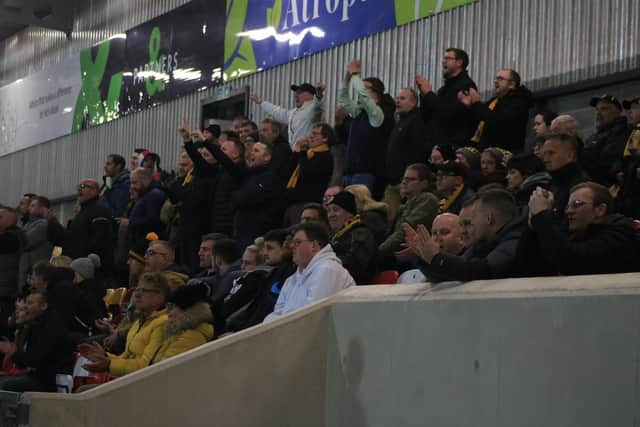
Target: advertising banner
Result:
[170, 56]
[260, 34]
[38, 108]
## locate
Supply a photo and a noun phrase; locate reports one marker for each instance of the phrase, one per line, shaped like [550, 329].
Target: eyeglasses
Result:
[298, 242]
[577, 204]
[151, 252]
[83, 186]
[449, 58]
[503, 79]
[145, 290]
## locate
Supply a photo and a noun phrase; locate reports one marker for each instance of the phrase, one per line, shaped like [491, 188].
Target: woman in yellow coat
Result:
[145, 336]
[189, 324]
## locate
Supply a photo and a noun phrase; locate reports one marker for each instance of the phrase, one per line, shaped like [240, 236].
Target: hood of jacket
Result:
[197, 317]
[325, 255]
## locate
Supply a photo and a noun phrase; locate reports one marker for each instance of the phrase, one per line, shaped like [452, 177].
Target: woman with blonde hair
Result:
[373, 213]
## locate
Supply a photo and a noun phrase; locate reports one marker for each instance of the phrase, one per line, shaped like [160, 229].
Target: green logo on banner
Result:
[89, 103]
[238, 52]
[151, 82]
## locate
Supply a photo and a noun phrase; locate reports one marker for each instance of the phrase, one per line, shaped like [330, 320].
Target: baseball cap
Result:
[304, 87]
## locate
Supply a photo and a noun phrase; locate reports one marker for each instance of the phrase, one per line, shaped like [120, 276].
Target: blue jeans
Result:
[360, 178]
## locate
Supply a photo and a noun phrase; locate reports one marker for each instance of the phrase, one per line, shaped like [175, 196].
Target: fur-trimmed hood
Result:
[190, 318]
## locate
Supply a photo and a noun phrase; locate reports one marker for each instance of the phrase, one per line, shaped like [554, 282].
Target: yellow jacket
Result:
[190, 330]
[143, 341]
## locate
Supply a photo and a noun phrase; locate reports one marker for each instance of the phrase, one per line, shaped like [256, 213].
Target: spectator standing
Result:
[115, 185]
[312, 168]
[369, 129]
[450, 121]
[37, 247]
[308, 101]
[503, 119]
[92, 230]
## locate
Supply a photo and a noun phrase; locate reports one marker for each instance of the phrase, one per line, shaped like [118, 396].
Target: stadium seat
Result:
[387, 277]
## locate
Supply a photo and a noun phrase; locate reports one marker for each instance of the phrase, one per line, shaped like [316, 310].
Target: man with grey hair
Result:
[145, 214]
[564, 124]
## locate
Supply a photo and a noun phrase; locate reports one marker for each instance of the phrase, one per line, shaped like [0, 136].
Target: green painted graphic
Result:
[152, 84]
[238, 52]
[90, 103]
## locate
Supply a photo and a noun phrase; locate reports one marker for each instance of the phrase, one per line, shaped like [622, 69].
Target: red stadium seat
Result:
[387, 277]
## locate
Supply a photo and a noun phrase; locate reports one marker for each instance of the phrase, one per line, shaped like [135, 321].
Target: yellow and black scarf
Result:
[295, 176]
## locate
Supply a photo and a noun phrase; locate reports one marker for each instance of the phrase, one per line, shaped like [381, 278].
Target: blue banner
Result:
[260, 34]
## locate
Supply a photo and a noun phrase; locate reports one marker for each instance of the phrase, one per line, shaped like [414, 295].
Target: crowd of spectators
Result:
[264, 218]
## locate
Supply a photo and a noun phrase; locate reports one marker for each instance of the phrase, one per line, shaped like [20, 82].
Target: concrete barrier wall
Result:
[269, 376]
[534, 352]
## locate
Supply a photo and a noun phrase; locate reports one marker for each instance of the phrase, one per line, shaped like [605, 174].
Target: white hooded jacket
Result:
[324, 276]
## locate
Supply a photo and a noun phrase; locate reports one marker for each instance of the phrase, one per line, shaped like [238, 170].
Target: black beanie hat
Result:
[189, 295]
[346, 201]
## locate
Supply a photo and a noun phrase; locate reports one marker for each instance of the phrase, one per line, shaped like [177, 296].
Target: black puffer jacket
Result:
[358, 250]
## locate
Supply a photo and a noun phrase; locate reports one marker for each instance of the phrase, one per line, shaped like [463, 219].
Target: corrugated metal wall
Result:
[551, 43]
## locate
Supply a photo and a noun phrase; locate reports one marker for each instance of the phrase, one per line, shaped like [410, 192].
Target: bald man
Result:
[12, 241]
[91, 230]
[408, 142]
[447, 232]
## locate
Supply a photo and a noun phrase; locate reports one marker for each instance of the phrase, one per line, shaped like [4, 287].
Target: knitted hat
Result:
[86, 267]
[472, 155]
[346, 201]
[187, 296]
[501, 155]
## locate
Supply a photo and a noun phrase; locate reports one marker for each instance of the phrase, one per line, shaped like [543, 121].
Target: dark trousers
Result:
[22, 383]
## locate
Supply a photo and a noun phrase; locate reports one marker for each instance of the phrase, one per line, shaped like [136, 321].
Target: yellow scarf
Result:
[188, 177]
[445, 203]
[633, 143]
[295, 176]
[347, 226]
[480, 129]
